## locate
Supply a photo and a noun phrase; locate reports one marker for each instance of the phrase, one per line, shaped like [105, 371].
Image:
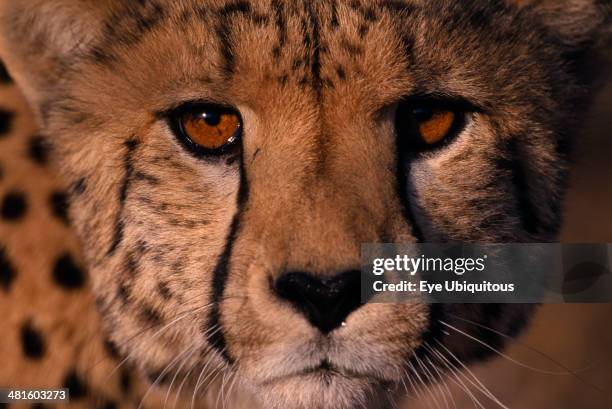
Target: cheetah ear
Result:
[579, 24]
[39, 37]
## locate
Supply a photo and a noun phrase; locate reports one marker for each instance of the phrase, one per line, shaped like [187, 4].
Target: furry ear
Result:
[39, 39]
[578, 24]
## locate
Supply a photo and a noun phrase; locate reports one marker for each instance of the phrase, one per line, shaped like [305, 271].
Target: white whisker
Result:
[158, 333]
[192, 351]
[425, 389]
[180, 389]
[566, 370]
[500, 353]
[163, 372]
[442, 381]
[457, 381]
[433, 379]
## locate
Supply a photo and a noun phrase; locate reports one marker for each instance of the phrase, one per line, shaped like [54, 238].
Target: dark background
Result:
[589, 203]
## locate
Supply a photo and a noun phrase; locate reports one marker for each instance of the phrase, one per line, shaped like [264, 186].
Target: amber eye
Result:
[433, 125]
[423, 125]
[208, 129]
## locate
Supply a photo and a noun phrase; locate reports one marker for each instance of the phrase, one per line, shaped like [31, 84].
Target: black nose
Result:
[324, 302]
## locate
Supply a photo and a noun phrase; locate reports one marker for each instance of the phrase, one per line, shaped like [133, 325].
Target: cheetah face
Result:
[228, 159]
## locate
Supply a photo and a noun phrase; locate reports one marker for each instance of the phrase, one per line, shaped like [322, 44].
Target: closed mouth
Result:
[326, 370]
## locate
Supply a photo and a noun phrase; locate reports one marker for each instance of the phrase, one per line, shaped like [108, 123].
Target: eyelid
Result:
[444, 101]
[191, 105]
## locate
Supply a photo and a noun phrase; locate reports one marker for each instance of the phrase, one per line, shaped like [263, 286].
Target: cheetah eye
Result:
[207, 129]
[433, 125]
[423, 125]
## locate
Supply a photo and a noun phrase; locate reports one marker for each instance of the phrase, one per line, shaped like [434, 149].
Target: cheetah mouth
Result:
[324, 372]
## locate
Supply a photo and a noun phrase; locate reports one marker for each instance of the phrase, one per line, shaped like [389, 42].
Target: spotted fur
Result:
[180, 251]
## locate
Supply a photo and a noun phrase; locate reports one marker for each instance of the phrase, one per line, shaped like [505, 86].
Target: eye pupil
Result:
[422, 114]
[212, 118]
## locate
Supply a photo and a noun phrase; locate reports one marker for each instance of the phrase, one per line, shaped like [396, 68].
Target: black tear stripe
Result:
[216, 336]
[511, 162]
[131, 145]
[5, 78]
[403, 160]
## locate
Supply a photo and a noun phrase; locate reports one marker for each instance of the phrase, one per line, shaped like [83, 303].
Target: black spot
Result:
[125, 381]
[40, 405]
[369, 14]
[276, 52]
[297, 63]
[145, 177]
[100, 302]
[112, 349]
[79, 187]
[131, 144]
[7, 271]
[283, 79]
[108, 405]
[14, 206]
[150, 315]
[6, 122]
[124, 293]
[164, 291]
[341, 73]
[76, 386]
[5, 78]
[58, 201]
[130, 264]
[38, 150]
[32, 341]
[67, 274]
[101, 56]
[363, 30]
